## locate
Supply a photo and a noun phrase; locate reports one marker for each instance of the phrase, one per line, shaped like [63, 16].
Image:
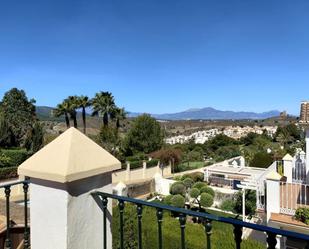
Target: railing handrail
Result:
[212, 217]
[13, 183]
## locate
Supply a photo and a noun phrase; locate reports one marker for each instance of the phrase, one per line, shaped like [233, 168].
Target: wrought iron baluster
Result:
[104, 205]
[237, 235]
[271, 240]
[182, 221]
[208, 227]
[160, 219]
[139, 217]
[26, 232]
[121, 210]
[7, 191]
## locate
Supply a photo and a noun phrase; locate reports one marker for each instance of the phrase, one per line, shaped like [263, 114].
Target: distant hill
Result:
[210, 113]
[44, 113]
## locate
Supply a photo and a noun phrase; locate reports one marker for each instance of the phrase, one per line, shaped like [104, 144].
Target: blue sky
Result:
[159, 56]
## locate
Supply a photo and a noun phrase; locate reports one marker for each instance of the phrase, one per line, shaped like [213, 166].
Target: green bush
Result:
[199, 185]
[208, 190]
[8, 173]
[188, 182]
[136, 164]
[152, 163]
[178, 201]
[137, 157]
[196, 176]
[228, 205]
[302, 214]
[13, 157]
[167, 199]
[178, 188]
[206, 200]
[194, 193]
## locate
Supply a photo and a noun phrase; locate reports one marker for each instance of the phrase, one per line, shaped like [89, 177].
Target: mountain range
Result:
[211, 113]
[45, 113]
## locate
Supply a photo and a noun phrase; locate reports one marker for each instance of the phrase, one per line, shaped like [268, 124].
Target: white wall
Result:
[273, 197]
[67, 216]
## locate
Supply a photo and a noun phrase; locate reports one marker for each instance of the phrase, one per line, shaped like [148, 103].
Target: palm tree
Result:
[72, 102]
[104, 105]
[119, 114]
[62, 109]
[83, 102]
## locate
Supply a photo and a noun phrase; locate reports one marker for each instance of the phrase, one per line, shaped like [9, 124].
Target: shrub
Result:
[167, 199]
[194, 193]
[228, 205]
[13, 157]
[206, 200]
[208, 190]
[188, 182]
[136, 164]
[8, 173]
[152, 163]
[178, 201]
[302, 214]
[178, 188]
[196, 176]
[199, 185]
[137, 157]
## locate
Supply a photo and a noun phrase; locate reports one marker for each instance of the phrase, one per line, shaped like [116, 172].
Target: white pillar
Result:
[273, 193]
[307, 154]
[65, 216]
[288, 167]
[128, 172]
[243, 204]
[144, 169]
[63, 174]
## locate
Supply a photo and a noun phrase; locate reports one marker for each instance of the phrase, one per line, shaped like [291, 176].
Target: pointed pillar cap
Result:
[274, 176]
[287, 157]
[71, 156]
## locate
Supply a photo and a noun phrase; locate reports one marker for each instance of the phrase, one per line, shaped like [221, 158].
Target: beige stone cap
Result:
[71, 156]
[274, 176]
[287, 157]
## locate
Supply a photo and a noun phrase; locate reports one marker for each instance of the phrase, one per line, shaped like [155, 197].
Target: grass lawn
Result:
[221, 238]
[191, 165]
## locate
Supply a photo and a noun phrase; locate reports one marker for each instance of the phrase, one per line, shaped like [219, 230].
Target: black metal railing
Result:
[7, 191]
[272, 233]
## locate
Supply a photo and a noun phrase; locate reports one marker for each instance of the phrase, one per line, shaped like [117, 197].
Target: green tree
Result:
[19, 113]
[250, 205]
[73, 105]
[109, 139]
[145, 136]
[119, 114]
[169, 155]
[6, 135]
[63, 110]
[103, 105]
[261, 160]
[35, 138]
[83, 102]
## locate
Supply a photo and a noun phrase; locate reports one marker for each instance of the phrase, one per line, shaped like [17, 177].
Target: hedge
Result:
[136, 164]
[12, 157]
[196, 176]
[152, 163]
[8, 173]
[178, 188]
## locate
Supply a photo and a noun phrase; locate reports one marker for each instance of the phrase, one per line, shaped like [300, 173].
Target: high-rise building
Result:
[304, 112]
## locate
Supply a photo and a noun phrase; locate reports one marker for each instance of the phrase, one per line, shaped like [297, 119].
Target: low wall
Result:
[144, 173]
